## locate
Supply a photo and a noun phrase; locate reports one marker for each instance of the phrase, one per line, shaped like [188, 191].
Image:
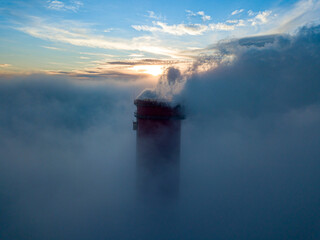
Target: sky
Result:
[247, 74]
[132, 39]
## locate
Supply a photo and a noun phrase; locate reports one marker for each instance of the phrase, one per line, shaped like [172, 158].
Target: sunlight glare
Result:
[154, 70]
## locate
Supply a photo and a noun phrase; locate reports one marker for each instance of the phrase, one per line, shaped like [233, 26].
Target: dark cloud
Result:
[172, 75]
[106, 75]
[145, 62]
[118, 70]
[137, 62]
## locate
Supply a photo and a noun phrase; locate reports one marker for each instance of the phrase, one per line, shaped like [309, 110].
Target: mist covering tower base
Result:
[158, 126]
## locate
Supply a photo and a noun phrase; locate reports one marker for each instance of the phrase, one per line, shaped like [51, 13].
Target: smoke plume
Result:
[169, 85]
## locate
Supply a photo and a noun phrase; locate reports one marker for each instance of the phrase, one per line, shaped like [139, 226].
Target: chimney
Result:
[158, 127]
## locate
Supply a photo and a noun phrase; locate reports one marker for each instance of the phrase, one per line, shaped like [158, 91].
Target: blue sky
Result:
[132, 38]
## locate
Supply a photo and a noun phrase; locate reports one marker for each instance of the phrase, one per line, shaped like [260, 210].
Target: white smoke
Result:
[169, 85]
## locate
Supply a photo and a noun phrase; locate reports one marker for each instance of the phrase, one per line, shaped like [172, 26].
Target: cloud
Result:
[222, 26]
[145, 61]
[180, 29]
[286, 20]
[122, 71]
[119, 76]
[98, 54]
[194, 29]
[190, 13]
[151, 14]
[5, 65]
[183, 29]
[136, 55]
[199, 29]
[116, 74]
[204, 17]
[250, 13]
[303, 12]
[262, 22]
[235, 12]
[260, 18]
[53, 48]
[61, 6]
[69, 32]
[108, 30]
[237, 22]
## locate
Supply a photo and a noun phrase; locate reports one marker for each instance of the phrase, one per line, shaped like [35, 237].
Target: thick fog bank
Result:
[251, 153]
[67, 158]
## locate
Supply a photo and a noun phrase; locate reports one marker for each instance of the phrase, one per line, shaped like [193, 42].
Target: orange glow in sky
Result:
[154, 70]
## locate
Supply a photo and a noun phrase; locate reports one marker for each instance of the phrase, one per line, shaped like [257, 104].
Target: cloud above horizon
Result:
[61, 6]
[203, 16]
[5, 65]
[183, 29]
[70, 32]
[235, 12]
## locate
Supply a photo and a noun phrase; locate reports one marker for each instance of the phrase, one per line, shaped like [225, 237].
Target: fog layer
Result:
[251, 140]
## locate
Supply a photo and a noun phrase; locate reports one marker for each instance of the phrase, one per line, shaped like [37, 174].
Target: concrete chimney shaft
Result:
[158, 146]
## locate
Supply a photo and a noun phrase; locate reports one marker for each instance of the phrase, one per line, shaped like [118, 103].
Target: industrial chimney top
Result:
[158, 110]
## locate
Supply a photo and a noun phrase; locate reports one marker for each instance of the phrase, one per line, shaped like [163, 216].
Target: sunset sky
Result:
[132, 39]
